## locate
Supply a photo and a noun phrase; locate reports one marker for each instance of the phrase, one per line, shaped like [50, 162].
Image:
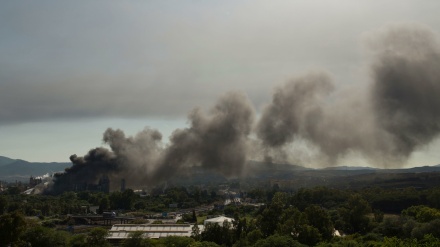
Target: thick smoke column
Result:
[397, 115]
[138, 154]
[128, 157]
[217, 141]
[406, 89]
[292, 107]
[400, 113]
[300, 111]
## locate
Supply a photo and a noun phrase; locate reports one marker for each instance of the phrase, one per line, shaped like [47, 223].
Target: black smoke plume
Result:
[128, 157]
[217, 141]
[399, 114]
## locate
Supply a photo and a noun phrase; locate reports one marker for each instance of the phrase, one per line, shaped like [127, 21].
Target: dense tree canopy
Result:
[308, 216]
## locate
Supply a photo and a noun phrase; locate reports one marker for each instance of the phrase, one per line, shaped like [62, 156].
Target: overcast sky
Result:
[70, 69]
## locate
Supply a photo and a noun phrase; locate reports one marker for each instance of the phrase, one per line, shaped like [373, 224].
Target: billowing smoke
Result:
[293, 106]
[406, 87]
[399, 114]
[303, 110]
[128, 157]
[217, 140]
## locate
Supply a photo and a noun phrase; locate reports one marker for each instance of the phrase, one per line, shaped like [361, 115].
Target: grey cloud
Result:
[397, 115]
[69, 60]
[153, 59]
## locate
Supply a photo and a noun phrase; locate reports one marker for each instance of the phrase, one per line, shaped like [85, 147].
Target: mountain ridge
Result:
[21, 170]
[5, 160]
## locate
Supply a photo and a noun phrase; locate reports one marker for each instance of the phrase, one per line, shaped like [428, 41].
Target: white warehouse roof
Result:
[218, 220]
[122, 231]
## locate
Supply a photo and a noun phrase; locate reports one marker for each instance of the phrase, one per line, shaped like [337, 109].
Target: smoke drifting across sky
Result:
[398, 114]
[216, 140]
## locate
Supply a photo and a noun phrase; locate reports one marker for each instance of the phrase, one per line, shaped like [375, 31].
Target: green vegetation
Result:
[306, 217]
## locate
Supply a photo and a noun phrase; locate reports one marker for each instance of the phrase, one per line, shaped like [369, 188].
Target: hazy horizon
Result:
[70, 70]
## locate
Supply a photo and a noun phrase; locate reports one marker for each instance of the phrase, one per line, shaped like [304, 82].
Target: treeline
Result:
[324, 216]
[80, 202]
[319, 216]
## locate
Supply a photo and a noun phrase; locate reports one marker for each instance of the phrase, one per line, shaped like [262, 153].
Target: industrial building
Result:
[103, 185]
[218, 220]
[119, 232]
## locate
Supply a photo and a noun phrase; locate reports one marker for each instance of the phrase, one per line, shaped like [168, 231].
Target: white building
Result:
[218, 220]
[120, 232]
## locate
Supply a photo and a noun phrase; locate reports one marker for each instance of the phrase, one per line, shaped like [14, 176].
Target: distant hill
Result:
[349, 168]
[413, 169]
[261, 172]
[21, 170]
[5, 160]
[295, 177]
